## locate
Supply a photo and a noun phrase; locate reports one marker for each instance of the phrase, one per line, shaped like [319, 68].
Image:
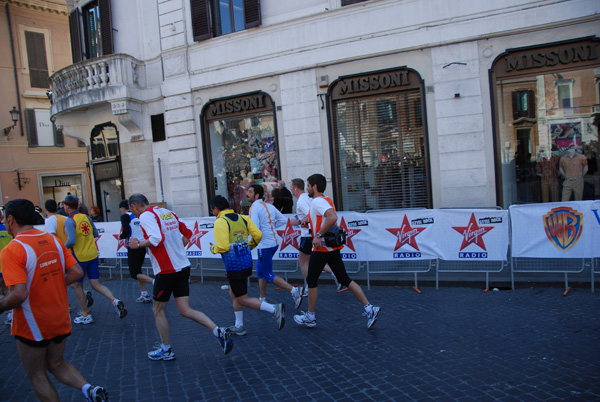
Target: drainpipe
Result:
[162, 193]
[12, 47]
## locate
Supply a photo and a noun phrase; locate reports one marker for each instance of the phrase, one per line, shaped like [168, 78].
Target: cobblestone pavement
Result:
[442, 345]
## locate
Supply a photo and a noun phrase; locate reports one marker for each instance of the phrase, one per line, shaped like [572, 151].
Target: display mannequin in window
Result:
[547, 169]
[573, 166]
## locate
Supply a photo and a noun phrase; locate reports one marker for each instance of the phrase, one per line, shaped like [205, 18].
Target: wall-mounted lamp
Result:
[14, 115]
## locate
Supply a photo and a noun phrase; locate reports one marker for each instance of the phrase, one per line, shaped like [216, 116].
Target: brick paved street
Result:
[450, 344]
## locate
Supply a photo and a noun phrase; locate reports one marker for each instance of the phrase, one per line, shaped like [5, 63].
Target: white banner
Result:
[556, 230]
[468, 235]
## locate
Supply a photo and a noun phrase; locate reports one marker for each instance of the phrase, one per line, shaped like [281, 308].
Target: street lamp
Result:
[14, 115]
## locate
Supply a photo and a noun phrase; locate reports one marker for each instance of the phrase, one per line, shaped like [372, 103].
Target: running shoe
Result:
[305, 291]
[120, 308]
[89, 300]
[297, 296]
[224, 338]
[160, 354]
[144, 299]
[341, 288]
[97, 394]
[372, 316]
[305, 320]
[279, 315]
[81, 319]
[239, 331]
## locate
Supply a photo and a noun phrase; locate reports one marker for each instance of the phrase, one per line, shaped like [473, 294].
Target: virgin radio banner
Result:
[556, 230]
[402, 235]
[470, 235]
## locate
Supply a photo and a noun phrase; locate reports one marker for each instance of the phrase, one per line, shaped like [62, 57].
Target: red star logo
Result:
[349, 234]
[406, 234]
[122, 242]
[473, 233]
[289, 236]
[196, 235]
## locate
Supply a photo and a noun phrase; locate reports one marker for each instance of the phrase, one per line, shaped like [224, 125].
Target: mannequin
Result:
[573, 166]
[547, 168]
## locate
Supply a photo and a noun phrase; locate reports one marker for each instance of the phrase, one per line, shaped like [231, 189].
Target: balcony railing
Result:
[97, 80]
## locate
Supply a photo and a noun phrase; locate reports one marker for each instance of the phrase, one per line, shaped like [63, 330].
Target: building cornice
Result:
[40, 5]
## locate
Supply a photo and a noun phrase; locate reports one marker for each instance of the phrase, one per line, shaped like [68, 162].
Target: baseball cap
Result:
[71, 201]
[124, 204]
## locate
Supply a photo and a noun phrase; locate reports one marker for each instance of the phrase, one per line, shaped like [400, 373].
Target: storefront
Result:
[546, 102]
[57, 186]
[379, 141]
[239, 137]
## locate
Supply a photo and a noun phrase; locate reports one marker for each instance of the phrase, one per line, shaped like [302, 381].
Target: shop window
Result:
[212, 18]
[36, 59]
[241, 139]
[41, 132]
[379, 143]
[531, 153]
[91, 30]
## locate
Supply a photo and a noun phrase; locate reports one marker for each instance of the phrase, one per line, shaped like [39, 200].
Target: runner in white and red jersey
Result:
[166, 237]
[322, 217]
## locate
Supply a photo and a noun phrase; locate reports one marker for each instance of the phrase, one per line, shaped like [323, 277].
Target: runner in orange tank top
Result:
[37, 267]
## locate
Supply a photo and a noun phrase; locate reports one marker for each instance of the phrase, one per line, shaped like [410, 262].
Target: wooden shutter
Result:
[530, 104]
[31, 128]
[36, 59]
[200, 19]
[59, 138]
[75, 29]
[106, 27]
[251, 13]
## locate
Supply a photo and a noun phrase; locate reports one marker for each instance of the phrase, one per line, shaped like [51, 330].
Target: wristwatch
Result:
[319, 235]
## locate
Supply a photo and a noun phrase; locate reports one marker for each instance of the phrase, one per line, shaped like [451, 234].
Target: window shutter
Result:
[59, 138]
[515, 104]
[251, 13]
[75, 29]
[349, 2]
[531, 104]
[36, 59]
[200, 19]
[31, 128]
[106, 27]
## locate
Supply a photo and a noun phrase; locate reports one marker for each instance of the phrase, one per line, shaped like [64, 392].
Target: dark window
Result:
[105, 143]
[91, 31]
[523, 104]
[36, 58]
[212, 18]
[158, 127]
[349, 2]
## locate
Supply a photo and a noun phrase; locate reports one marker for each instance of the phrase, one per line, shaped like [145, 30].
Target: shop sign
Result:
[560, 56]
[237, 105]
[381, 82]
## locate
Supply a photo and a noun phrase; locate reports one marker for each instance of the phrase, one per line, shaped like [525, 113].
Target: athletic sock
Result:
[216, 331]
[239, 319]
[262, 299]
[310, 315]
[165, 347]
[84, 389]
[269, 308]
[144, 293]
[368, 308]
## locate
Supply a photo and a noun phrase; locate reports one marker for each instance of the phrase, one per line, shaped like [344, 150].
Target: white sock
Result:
[165, 347]
[269, 308]
[294, 290]
[84, 389]
[368, 308]
[262, 299]
[310, 315]
[144, 293]
[239, 319]
[115, 302]
[216, 332]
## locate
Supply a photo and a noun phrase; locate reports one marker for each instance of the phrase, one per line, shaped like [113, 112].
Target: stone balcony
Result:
[118, 79]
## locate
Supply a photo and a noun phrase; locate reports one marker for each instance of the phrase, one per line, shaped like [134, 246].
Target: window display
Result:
[243, 148]
[547, 123]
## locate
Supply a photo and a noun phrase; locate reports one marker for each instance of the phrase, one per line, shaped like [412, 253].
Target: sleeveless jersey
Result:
[318, 207]
[85, 248]
[61, 232]
[38, 259]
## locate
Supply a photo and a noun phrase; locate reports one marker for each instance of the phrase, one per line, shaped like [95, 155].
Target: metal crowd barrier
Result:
[399, 267]
[548, 265]
[470, 266]
[595, 269]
